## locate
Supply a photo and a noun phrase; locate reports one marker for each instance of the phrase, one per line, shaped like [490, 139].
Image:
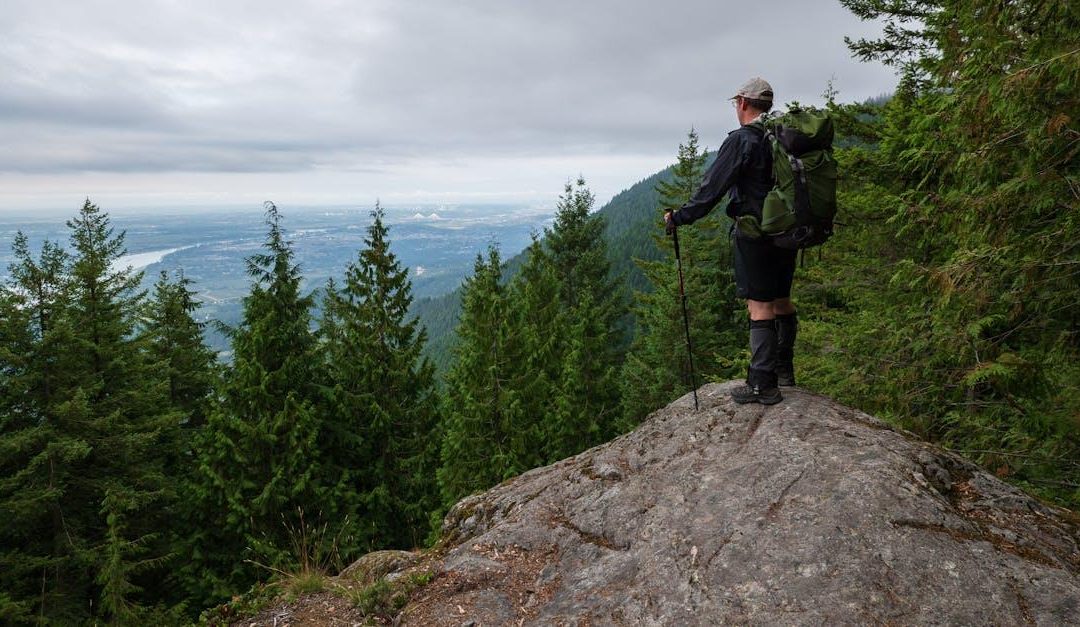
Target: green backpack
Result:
[798, 212]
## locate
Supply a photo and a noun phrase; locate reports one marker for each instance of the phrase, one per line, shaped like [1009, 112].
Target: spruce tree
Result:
[82, 474]
[480, 404]
[593, 305]
[258, 456]
[32, 481]
[534, 374]
[176, 341]
[537, 317]
[383, 422]
[121, 406]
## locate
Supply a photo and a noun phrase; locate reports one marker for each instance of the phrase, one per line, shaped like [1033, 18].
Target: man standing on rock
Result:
[763, 272]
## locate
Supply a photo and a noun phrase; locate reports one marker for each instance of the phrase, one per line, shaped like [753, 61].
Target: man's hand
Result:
[669, 223]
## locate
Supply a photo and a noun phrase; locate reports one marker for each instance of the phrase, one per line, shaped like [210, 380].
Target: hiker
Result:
[763, 272]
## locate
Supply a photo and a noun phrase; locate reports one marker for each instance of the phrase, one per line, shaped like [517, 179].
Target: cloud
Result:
[392, 88]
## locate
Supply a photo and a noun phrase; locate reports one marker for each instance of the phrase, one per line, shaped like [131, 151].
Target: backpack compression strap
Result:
[802, 190]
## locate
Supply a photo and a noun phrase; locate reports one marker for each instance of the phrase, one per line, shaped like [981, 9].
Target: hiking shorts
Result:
[763, 271]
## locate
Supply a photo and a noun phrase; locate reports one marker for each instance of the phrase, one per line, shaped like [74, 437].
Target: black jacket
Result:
[743, 169]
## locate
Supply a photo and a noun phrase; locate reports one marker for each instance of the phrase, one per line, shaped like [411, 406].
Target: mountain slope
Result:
[630, 223]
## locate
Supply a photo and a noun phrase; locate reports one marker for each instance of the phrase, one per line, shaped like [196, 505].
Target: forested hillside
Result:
[946, 300]
[629, 219]
[141, 481]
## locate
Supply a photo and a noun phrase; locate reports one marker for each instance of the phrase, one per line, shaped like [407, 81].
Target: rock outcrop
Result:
[807, 512]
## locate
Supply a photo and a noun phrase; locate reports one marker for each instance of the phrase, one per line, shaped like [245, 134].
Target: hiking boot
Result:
[756, 394]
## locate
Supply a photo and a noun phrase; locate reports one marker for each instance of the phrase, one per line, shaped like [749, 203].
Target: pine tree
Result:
[657, 368]
[480, 404]
[383, 397]
[258, 456]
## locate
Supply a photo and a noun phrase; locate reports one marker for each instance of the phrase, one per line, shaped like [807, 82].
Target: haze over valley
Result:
[438, 243]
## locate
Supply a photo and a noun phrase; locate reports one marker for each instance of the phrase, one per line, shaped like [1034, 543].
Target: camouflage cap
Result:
[756, 89]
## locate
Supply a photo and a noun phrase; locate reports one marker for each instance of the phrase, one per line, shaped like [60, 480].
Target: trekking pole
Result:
[686, 319]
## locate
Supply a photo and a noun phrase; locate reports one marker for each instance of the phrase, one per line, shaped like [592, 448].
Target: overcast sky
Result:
[154, 103]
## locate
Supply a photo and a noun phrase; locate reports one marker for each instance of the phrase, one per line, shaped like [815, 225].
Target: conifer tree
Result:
[82, 471]
[534, 376]
[593, 306]
[176, 341]
[121, 405]
[32, 481]
[175, 345]
[537, 317]
[258, 456]
[384, 407]
[480, 402]
[657, 368]
[957, 311]
[587, 406]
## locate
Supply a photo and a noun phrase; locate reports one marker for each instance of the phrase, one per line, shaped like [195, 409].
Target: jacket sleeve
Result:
[718, 180]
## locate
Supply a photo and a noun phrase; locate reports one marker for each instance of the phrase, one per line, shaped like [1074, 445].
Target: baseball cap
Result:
[756, 89]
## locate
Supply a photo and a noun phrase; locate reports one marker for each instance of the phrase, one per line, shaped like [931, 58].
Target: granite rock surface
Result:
[803, 513]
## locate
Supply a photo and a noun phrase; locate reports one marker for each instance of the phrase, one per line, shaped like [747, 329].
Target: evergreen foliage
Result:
[950, 305]
[381, 435]
[83, 478]
[629, 221]
[540, 322]
[945, 303]
[534, 374]
[592, 306]
[176, 341]
[479, 406]
[259, 464]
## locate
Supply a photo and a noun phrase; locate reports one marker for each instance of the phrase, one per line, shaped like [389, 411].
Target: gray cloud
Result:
[385, 86]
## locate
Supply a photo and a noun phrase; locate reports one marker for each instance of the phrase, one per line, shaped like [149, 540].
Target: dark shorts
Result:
[762, 271]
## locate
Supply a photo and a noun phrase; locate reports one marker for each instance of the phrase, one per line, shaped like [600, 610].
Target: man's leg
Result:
[787, 324]
[754, 282]
[787, 327]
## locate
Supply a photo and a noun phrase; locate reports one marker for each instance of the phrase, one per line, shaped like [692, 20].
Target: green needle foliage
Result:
[258, 456]
[534, 376]
[381, 436]
[82, 476]
[479, 409]
[538, 318]
[951, 300]
[176, 340]
[591, 338]
[137, 476]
